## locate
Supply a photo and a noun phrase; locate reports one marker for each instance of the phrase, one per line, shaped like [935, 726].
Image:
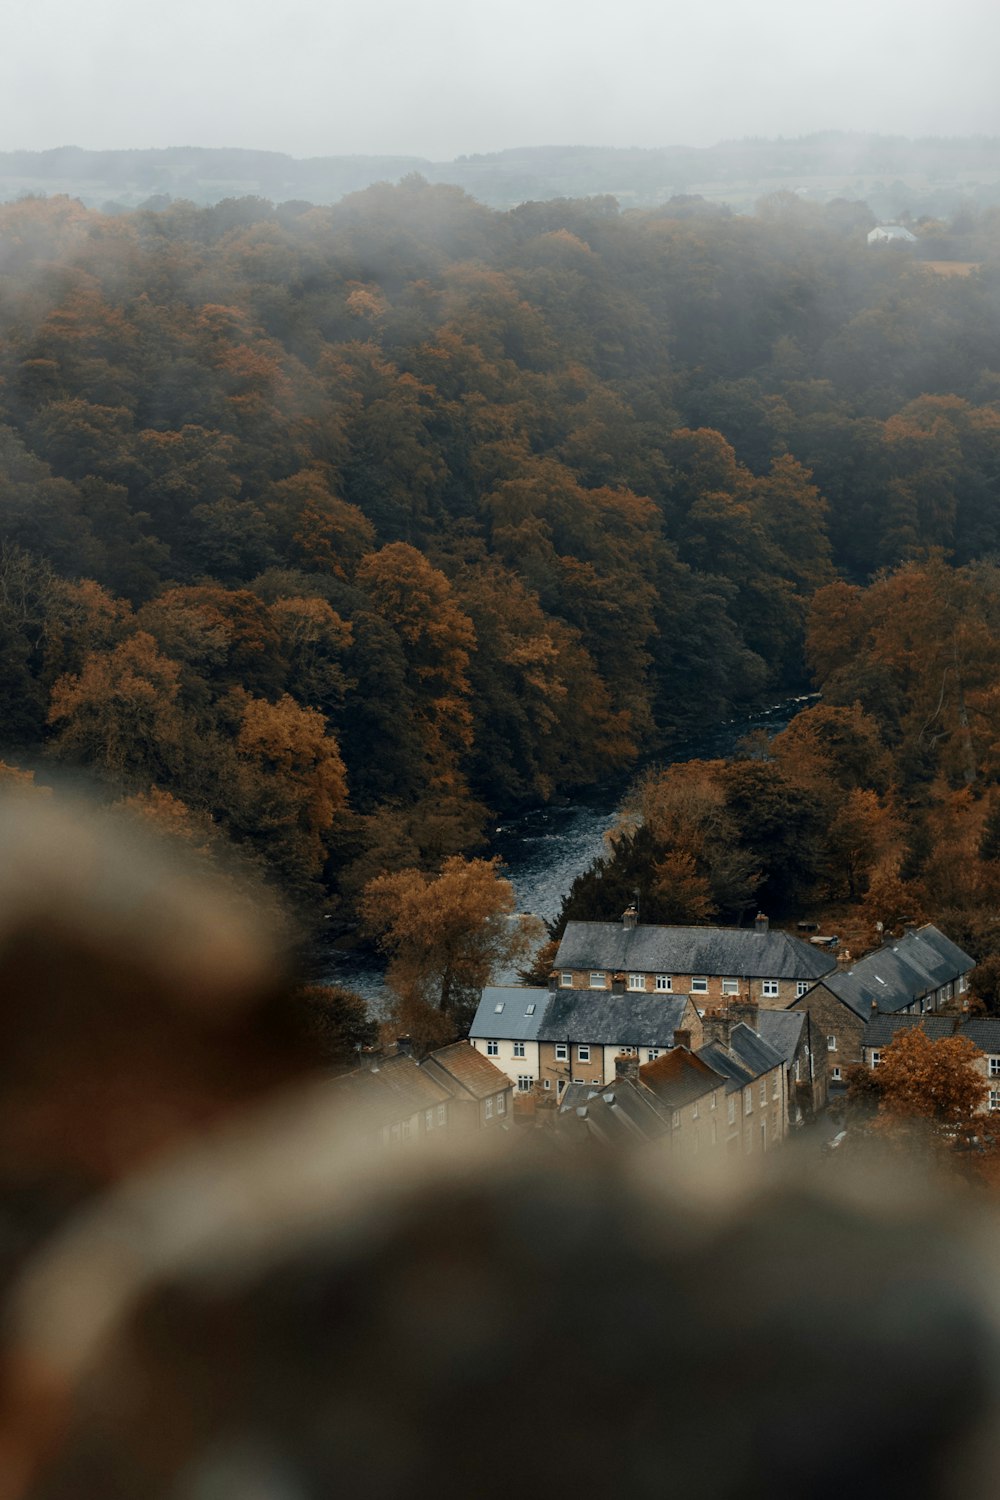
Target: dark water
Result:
[546, 848]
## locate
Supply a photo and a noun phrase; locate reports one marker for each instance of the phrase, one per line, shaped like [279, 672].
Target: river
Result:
[546, 848]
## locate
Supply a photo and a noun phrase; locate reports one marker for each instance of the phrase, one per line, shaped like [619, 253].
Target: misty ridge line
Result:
[927, 175]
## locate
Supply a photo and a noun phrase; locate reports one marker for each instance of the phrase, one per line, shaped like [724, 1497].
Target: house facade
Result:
[554, 1038]
[711, 964]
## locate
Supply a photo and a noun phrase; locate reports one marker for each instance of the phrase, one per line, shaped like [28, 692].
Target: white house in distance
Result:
[891, 234]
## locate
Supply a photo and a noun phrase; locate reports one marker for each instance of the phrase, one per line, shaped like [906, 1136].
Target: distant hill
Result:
[892, 174]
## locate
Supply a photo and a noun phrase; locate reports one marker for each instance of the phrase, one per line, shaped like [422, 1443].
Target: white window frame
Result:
[694, 1110]
[428, 1119]
[637, 981]
[748, 1100]
[492, 1049]
[994, 1100]
[770, 989]
[598, 979]
[524, 1083]
[831, 1042]
[730, 986]
[995, 1067]
[562, 1051]
[565, 980]
[652, 1053]
[518, 1049]
[699, 984]
[776, 1085]
[488, 1108]
[731, 1101]
[664, 982]
[802, 987]
[502, 1103]
[442, 1114]
[763, 1091]
[876, 1057]
[583, 1053]
[836, 1075]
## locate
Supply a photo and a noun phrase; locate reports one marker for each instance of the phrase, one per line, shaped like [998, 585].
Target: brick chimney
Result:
[717, 1026]
[630, 917]
[761, 923]
[627, 1066]
[618, 984]
[745, 1010]
[682, 1037]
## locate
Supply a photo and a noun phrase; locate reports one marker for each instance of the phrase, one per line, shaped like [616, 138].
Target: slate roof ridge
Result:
[729, 951]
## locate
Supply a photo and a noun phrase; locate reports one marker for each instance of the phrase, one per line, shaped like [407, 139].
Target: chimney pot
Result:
[761, 923]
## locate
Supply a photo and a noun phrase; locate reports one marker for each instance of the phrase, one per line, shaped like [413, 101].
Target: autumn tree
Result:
[935, 1082]
[446, 936]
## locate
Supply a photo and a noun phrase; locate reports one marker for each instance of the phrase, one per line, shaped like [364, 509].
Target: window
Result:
[583, 1054]
[488, 1110]
[995, 1067]
[501, 1104]
[596, 1081]
[676, 1118]
[637, 981]
[732, 1109]
[876, 1059]
[566, 980]
[652, 1053]
[442, 1114]
[548, 1084]
[801, 987]
[748, 1101]
[763, 1091]
[730, 986]
[524, 1082]
[529, 1010]
[560, 1085]
[518, 1049]
[498, 1008]
[577, 1080]
[836, 1075]
[775, 1085]
[627, 1051]
[994, 1098]
[694, 1110]
[561, 1051]
[713, 1103]
[798, 1069]
[769, 989]
[831, 1044]
[428, 1119]
[699, 985]
[963, 983]
[598, 980]
[492, 1049]
[664, 982]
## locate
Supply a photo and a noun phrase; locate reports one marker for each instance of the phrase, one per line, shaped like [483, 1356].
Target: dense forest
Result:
[335, 532]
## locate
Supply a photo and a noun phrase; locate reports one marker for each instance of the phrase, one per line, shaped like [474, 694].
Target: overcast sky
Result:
[437, 78]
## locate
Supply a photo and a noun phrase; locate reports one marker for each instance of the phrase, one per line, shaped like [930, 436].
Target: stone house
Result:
[554, 1038]
[983, 1031]
[711, 964]
[921, 973]
[481, 1094]
[394, 1100]
[725, 1099]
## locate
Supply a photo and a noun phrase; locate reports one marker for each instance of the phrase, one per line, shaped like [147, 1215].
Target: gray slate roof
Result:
[753, 1057]
[734, 952]
[612, 1020]
[900, 972]
[623, 1112]
[983, 1031]
[514, 1020]
[782, 1030]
